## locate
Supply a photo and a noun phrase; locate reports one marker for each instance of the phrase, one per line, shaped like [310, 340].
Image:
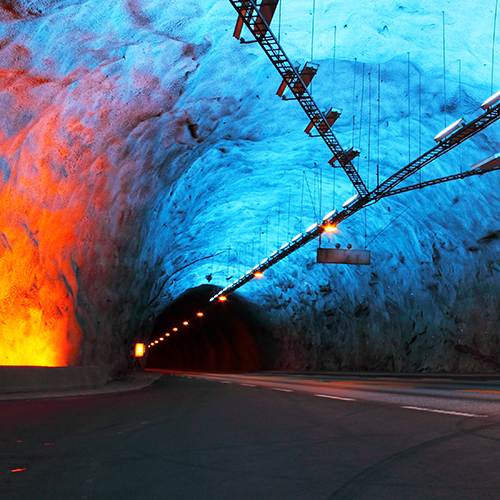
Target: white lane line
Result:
[432, 410]
[280, 389]
[334, 397]
[248, 385]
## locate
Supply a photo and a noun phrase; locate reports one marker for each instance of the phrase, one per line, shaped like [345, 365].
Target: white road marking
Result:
[334, 397]
[459, 413]
[280, 389]
[248, 385]
[224, 382]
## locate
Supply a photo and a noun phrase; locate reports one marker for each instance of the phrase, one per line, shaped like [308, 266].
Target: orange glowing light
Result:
[175, 329]
[17, 470]
[200, 314]
[161, 338]
[222, 298]
[167, 334]
[330, 228]
[185, 323]
[259, 274]
[156, 342]
[140, 350]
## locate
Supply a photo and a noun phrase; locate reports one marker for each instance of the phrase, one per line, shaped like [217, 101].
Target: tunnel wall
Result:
[143, 150]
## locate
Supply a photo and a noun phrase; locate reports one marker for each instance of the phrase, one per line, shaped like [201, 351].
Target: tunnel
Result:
[146, 162]
[228, 336]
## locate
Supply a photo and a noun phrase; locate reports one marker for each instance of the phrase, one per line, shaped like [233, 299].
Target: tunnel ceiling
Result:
[143, 152]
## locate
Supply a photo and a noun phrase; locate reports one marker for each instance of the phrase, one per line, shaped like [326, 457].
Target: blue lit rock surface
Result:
[158, 141]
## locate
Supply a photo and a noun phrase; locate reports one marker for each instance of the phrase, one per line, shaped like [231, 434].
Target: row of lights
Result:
[327, 227]
[175, 329]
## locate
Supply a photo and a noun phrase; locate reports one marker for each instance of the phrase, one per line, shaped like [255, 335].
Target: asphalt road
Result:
[235, 437]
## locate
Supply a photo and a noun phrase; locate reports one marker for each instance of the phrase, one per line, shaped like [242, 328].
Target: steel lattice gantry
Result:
[256, 19]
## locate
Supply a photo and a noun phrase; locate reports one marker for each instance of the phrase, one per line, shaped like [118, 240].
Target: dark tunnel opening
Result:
[231, 336]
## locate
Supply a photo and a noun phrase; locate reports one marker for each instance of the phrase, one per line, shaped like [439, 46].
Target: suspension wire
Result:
[378, 130]
[279, 22]
[312, 30]
[278, 233]
[366, 235]
[289, 207]
[460, 100]
[493, 46]
[361, 112]
[369, 128]
[312, 41]
[444, 71]
[409, 113]
[392, 222]
[310, 194]
[320, 192]
[267, 234]
[320, 197]
[334, 58]
[354, 100]
[334, 179]
[302, 201]
[420, 122]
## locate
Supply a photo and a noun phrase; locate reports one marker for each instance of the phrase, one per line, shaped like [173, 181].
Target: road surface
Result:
[259, 436]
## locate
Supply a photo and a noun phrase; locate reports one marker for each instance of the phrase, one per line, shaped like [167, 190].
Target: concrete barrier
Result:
[24, 379]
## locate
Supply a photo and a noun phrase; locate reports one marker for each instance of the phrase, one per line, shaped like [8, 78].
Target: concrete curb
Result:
[64, 382]
[22, 379]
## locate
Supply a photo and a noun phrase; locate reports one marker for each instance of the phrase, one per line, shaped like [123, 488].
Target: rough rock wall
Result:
[143, 149]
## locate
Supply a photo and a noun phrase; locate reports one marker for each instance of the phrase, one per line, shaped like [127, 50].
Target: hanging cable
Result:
[419, 123]
[409, 113]
[444, 71]
[369, 129]
[378, 131]
[279, 21]
[312, 30]
[354, 100]
[334, 179]
[289, 207]
[278, 232]
[334, 59]
[361, 112]
[493, 46]
[460, 100]
[310, 194]
[312, 41]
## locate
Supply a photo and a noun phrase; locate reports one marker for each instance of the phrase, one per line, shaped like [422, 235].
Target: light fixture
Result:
[185, 323]
[167, 335]
[259, 274]
[200, 314]
[329, 215]
[312, 227]
[295, 238]
[329, 228]
[350, 201]
[175, 329]
[282, 247]
[448, 130]
[161, 338]
[156, 342]
[491, 100]
[222, 298]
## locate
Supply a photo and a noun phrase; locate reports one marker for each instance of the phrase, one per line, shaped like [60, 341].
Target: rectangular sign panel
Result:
[343, 256]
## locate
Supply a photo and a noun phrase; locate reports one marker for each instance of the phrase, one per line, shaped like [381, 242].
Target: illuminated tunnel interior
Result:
[144, 152]
[230, 336]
